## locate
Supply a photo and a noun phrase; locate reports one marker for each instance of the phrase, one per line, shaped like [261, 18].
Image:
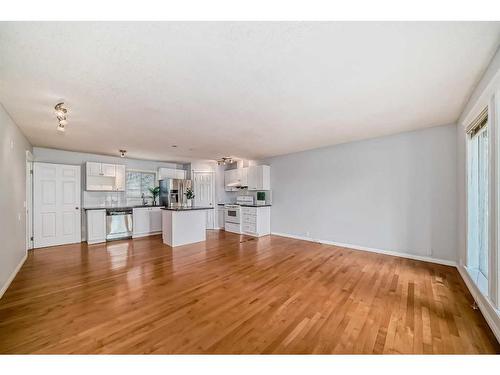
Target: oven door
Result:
[232, 215]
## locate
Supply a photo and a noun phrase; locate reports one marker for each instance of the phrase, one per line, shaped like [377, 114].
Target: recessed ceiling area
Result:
[242, 89]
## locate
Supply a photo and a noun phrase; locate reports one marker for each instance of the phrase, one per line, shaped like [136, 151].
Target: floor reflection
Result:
[118, 254]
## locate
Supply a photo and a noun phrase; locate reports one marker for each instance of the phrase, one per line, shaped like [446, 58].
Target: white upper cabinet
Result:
[166, 173]
[104, 177]
[180, 173]
[171, 173]
[93, 169]
[259, 177]
[256, 177]
[108, 170]
[244, 177]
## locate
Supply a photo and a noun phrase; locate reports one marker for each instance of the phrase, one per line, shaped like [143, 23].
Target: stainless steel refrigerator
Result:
[172, 192]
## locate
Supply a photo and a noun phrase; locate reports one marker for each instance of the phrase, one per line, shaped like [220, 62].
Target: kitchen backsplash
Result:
[230, 196]
[109, 199]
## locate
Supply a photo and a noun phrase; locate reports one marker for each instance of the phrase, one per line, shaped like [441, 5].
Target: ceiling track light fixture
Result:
[61, 128]
[61, 113]
[225, 161]
[123, 153]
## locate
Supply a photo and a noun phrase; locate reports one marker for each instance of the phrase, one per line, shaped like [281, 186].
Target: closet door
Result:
[56, 203]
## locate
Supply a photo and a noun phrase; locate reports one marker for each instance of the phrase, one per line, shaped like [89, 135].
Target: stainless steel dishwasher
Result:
[119, 223]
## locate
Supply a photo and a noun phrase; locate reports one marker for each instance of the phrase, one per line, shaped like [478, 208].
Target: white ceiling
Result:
[244, 89]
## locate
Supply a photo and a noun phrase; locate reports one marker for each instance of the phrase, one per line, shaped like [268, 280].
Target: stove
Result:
[232, 218]
[232, 213]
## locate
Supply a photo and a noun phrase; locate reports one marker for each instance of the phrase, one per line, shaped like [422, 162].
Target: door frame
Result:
[28, 203]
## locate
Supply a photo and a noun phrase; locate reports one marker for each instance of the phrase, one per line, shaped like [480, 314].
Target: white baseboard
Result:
[95, 242]
[491, 314]
[372, 250]
[12, 276]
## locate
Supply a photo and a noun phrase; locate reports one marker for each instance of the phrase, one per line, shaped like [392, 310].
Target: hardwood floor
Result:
[236, 294]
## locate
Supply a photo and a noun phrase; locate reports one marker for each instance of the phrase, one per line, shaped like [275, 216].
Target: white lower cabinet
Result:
[220, 217]
[96, 226]
[256, 221]
[147, 221]
[155, 219]
[232, 227]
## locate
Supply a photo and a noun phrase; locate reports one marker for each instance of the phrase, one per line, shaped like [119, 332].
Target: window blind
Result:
[479, 123]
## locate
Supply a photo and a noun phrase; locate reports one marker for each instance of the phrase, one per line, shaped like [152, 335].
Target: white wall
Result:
[12, 199]
[395, 193]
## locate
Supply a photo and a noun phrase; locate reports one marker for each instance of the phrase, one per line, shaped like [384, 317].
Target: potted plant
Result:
[155, 191]
[261, 198]
[189, 196]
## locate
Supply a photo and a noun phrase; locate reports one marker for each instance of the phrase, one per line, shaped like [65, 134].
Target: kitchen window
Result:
[478, 202]
[139, 182]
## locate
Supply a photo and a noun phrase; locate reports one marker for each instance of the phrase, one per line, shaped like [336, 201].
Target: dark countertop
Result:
[193, 208]
[119, 207]
[246, 205]
[255, 205]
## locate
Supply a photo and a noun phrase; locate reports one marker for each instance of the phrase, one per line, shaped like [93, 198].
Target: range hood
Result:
[236, 184]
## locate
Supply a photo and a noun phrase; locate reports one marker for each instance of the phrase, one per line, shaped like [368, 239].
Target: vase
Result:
[190, 203]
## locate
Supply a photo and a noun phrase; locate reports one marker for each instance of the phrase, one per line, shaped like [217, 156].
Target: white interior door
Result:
[57, 217]
[28, 203]
[203, 185]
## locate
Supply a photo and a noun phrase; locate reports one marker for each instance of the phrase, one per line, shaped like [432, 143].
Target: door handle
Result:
[76, 208]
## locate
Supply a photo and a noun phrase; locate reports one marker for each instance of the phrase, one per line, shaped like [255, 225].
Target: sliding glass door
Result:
[478, 187]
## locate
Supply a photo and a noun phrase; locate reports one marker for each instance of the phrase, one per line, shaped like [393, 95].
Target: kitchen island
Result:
[184, 225]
